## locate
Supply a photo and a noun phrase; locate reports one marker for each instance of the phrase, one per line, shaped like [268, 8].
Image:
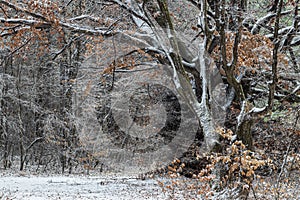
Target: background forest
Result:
[229, 110]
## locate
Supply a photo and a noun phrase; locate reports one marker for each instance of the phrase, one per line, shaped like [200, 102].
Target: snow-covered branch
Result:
[74, 27]
[129, 9]
[19, 9]
[262, 21]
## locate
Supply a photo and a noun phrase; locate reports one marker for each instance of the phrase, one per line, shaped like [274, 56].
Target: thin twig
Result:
[67, 46]
[253, 192]
[20, 47]
[282, 168]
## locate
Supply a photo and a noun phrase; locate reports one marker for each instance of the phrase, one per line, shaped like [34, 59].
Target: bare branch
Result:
[130, 10]
[17, 8]
[20, 47]
[73, 27]
[264, 20]
[67, 46]
[275, 59]
[39, 139]
[22, 21]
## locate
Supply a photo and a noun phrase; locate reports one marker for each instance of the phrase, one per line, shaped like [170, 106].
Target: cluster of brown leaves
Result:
[237, 167]
[239, 163]
[46, 8]
[175, 168]
[254, 51]
[25, 40]
[128, 62]
[198, 187]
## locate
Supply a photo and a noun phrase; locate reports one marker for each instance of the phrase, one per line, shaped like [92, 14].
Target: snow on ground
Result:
[26, 186]
[35, 187]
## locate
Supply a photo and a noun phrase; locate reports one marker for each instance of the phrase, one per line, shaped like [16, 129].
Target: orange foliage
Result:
[254, 51]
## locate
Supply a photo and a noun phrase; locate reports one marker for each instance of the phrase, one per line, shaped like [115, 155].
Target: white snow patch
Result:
[257, 110]
[78, 187]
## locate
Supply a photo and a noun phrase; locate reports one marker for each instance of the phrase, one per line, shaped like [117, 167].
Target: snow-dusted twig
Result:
[66, 46]
[17, 8]
[260, 22]
[129, 9]
[74, 27]
[282, 168]
[34, 142]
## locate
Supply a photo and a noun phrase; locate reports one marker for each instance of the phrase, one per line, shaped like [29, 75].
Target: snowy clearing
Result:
[78, 187]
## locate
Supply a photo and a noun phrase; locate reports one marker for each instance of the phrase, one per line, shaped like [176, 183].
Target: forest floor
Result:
[23, 186]
[29, 186]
